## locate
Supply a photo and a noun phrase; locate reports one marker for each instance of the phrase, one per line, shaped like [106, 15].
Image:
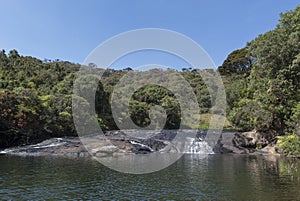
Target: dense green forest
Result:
[262, 83]
[36, 99]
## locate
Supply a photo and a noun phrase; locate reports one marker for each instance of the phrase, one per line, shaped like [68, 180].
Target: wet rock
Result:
[225, 144]
[254, 139]
[114, 142]
[141, 150]
[251, 142]
[107, 149]
[270, 149]
[117, 142]
[155, 144]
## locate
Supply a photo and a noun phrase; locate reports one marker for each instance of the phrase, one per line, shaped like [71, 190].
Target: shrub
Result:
[290, 144]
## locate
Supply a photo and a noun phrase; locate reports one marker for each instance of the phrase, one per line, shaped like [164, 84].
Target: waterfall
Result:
[55, 142]
[197, 146]
[141, 145]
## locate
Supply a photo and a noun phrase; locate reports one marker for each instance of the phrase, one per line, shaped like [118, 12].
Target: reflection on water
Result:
[217, 177]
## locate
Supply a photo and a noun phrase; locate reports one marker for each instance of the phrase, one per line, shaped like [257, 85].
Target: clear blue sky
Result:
[70, 30]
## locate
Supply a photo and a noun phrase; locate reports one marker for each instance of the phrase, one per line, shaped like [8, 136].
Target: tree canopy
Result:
[262, 83]
[268, 97]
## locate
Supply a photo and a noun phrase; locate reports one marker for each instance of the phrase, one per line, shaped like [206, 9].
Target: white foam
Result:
[196, 146]
[49, 145]
[142, 145]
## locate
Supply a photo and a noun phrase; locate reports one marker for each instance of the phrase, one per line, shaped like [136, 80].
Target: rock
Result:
[115, 133]
[225, 144]
[247, 143]
[253, 139]
[169, 148]
[140, 148]
[117, 142]
[155, 144]
[98, 145]
[270, 149]
[122, 144]
[106, 149]
[249, 140]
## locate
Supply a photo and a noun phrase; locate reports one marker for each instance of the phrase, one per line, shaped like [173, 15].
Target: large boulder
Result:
[254, 139]
[225, 144]
[246, 142]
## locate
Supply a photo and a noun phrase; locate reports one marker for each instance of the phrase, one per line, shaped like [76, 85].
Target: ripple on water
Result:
[216, 177]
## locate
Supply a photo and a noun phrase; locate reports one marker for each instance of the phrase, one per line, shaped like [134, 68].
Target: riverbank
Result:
[116, 143]
[112, 143]
[256, 143]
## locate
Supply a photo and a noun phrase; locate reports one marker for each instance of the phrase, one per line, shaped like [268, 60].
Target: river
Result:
[217, 177]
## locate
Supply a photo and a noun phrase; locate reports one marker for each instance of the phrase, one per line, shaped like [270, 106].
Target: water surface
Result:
[217, 177]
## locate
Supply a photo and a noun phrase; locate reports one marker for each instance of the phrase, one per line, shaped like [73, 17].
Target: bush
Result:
[290, 144]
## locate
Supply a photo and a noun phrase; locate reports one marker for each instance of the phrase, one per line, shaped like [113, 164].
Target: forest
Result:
[262, 83]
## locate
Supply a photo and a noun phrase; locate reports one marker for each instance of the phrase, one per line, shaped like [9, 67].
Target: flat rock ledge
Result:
[112, 144]
[116, 143]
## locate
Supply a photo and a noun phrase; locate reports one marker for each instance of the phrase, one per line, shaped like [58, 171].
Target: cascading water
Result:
[197, 146]
[141, 145]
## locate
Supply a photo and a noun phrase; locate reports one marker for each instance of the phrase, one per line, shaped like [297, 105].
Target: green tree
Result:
[275, 75]
[238, 62]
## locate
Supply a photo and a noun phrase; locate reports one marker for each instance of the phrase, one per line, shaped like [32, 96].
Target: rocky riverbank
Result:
[113, 143]
[251, 142]
[117, 142]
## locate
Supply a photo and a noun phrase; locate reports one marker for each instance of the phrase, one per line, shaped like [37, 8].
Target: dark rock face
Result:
[244, 143]
[147, 146]
[250, 140]
[112, 143]
[71, 147]
[155, 144]
[141, 149]
[141, 144]
[225, 144]
[117, 142]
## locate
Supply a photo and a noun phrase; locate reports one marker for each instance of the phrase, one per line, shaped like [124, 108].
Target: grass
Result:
[207, 118]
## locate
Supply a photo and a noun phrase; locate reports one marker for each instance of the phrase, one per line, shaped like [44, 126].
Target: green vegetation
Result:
[290, 144]
[261, 81]
[269, 94]
[36, 99]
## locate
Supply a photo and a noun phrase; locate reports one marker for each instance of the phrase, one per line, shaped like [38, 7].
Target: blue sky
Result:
[70, 30]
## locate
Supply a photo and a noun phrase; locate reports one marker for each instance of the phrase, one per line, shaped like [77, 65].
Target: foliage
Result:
[268, 96]
[32, 105]
[275, 75]
[36, 98]
[290, 144]
[261, 82]
[238, 62]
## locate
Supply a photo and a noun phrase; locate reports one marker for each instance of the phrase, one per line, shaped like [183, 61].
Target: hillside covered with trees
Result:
[36, 99]
[262, 82]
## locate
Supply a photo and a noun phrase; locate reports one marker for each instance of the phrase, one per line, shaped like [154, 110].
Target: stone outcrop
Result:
[117, 142]
[70, 147]
[251, 142]
[113, 143]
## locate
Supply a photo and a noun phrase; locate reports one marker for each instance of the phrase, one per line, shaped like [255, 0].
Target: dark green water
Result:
[218, 177]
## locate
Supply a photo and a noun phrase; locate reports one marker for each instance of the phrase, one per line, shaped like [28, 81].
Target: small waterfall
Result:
[197, 146]
[141, 145]
[55, 142]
